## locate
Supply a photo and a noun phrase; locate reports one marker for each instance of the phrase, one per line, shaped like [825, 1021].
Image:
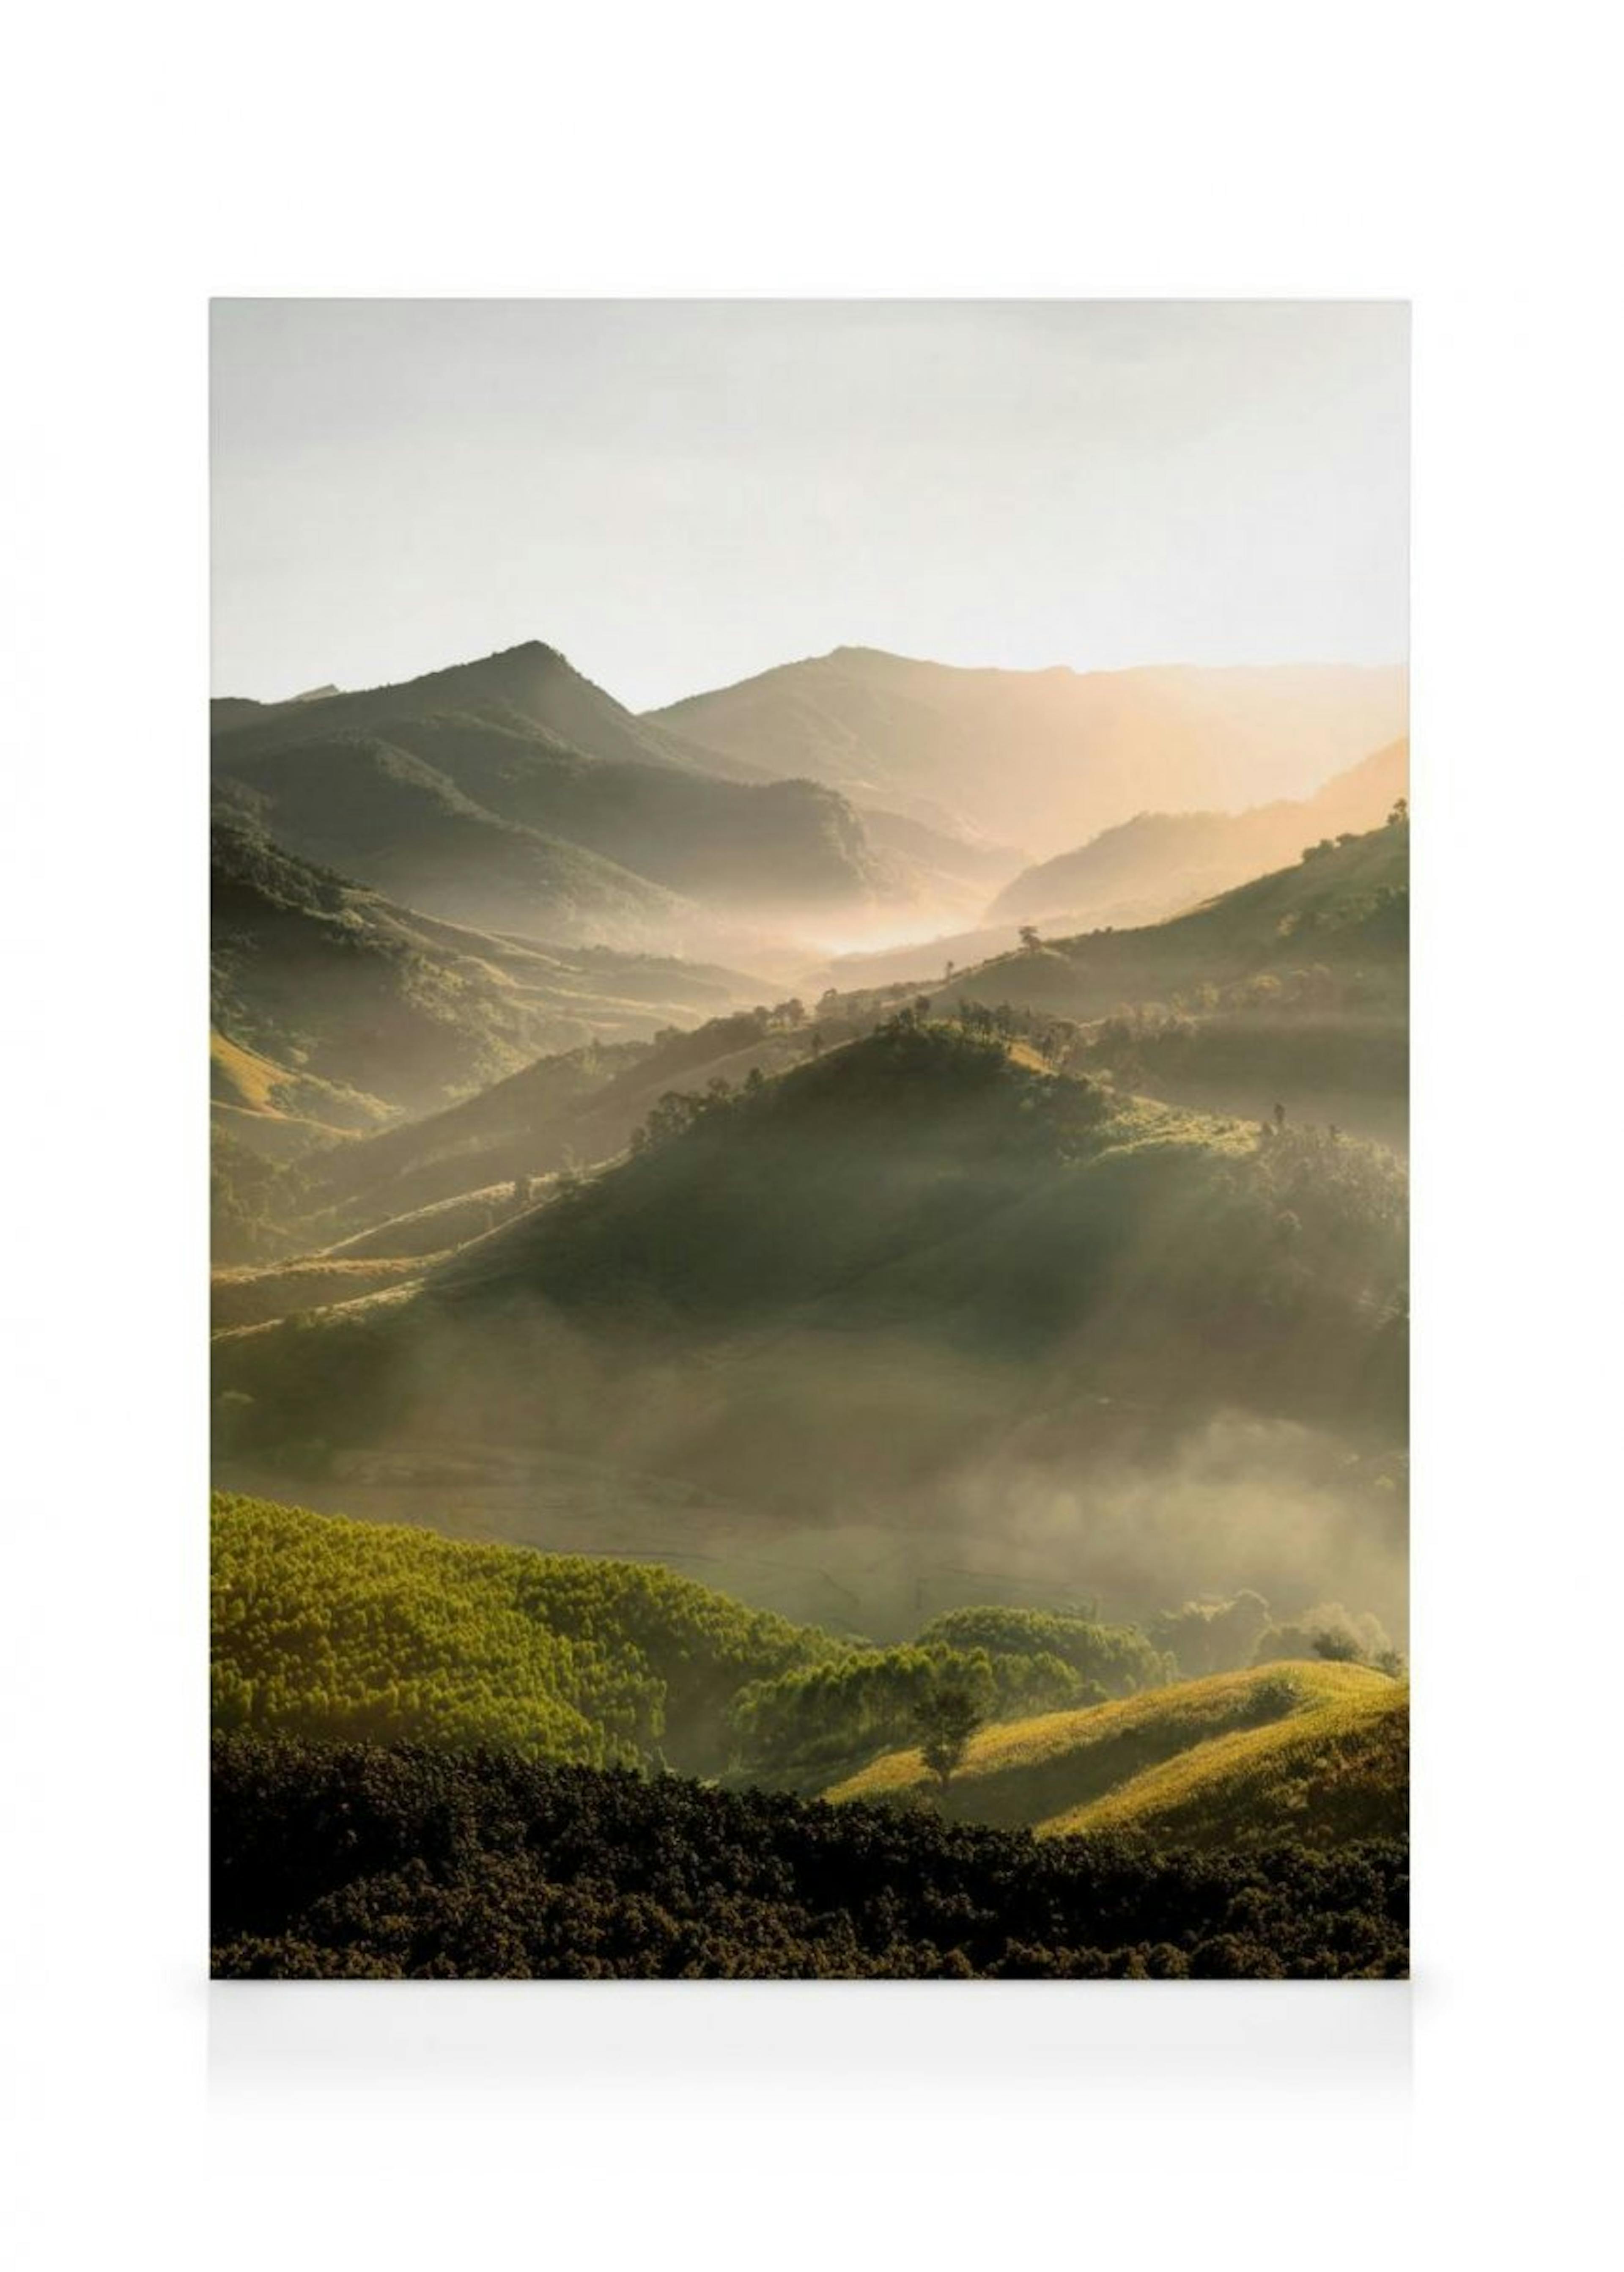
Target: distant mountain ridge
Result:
[511, 793]
[532, 682]
[1159, 862]
[1046, 758]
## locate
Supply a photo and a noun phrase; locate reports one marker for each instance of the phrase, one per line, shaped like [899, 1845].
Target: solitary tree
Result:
[946, 1719]
[1400, 812]
[1028, 936]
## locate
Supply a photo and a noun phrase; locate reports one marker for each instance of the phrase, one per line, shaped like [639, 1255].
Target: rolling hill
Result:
[572, 1109]
[1315, 1752]
[1289, 992]
[919, 1284]
[1046, 757]
[333, 1002]
[1339, 902]
[346, 1631]
[1320, 1777]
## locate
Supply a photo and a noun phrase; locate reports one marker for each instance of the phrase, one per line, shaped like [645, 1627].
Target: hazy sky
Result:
[680, 493]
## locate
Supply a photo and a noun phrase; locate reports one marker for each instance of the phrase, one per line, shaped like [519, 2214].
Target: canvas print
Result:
[809, 1061]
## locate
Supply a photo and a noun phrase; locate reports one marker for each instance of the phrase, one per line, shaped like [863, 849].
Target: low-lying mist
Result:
[865, 1481]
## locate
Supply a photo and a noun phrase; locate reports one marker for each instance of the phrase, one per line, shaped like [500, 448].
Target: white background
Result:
[1463, 158]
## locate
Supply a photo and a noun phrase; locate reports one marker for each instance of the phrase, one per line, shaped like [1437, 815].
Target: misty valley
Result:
[809, 1362]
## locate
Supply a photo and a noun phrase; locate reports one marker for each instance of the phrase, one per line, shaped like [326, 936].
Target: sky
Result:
[678, 494]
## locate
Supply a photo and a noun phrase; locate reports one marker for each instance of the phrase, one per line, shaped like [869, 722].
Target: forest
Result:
[367, 1862]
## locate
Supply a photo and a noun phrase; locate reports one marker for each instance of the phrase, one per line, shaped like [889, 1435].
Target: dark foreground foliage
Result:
[360, 1861]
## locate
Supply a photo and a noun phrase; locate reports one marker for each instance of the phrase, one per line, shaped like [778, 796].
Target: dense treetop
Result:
[363, 1863]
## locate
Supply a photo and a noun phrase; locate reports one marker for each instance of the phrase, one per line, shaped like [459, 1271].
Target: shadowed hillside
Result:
[330, 998]
[513, 795]
[358, 1862]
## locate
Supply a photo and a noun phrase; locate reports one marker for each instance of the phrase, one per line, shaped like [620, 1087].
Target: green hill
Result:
[1344, 901]
[1292, 990]
[1310, 1751]
[574, 1107]
[843, 1293]
[348, 1630]
[348, 1001]
[1320, 1777]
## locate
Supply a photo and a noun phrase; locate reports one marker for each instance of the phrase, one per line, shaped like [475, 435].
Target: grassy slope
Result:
[1338, 1772]
[1324, 909]
[249, 1295]
[327, 1627]
[1232, 1758]
[280, 1111]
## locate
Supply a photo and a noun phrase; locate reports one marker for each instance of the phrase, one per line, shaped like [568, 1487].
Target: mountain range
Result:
[513, 795]
[1046, 757]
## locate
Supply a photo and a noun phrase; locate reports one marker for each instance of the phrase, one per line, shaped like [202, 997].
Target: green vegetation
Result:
[352, 1862]
[893, 1158]
[1322, 1775]
[1344, 905]
[1116, 1762]
[1072, 1273]
[332, 982]
[343, 1006]
[945, 1718]
[1118, 1658]
[576, 1107]
[245, 1202]
[323, 1626]
[804, 1725]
